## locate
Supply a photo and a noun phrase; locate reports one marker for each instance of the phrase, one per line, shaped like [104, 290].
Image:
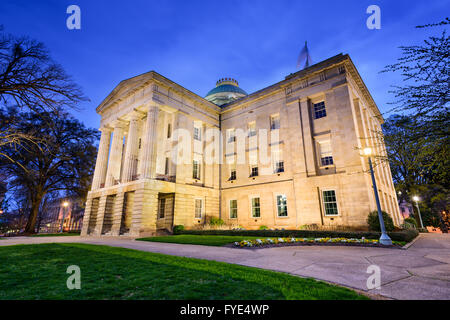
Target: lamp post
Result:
[384, 239]
[65, 205]
[416, 200]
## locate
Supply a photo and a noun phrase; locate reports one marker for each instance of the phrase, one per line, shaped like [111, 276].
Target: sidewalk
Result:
[420, 272]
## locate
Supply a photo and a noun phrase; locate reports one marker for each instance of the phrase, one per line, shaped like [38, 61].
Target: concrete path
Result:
[420, 272]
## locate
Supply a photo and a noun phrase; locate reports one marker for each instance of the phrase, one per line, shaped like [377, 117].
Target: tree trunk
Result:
[31, 223]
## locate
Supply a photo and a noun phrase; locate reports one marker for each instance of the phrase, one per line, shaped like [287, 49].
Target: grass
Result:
[39, 272]
[211, 240]
[63, 234]
[195, 239]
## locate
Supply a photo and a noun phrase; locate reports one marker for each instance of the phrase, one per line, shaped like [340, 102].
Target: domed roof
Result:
[226, 91]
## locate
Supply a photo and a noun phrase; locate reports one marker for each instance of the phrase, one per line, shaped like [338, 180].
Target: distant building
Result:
[286, 156]
[406, 209]
[51, 218]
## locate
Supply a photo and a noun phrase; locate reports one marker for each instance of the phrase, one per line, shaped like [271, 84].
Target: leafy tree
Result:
[425, 70]
[417, 142]
[374, 222]
[61, 160]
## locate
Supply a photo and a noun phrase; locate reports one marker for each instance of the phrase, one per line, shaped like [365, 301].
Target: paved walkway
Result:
[420, 272]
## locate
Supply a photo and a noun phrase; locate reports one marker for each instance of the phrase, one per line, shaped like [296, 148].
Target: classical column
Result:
[131, 150]
[149, 141]
[115, 157]
[102, 159]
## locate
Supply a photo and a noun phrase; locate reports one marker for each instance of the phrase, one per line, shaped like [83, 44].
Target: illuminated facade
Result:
[297, 163]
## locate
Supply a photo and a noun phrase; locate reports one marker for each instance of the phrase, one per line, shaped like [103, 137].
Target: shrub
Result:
[405, 235]
[412, 221]
[217, 222]
[263, 228]
[178, 229]
[374, 222]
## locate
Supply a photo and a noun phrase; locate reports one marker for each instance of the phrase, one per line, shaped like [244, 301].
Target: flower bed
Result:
[288, 241]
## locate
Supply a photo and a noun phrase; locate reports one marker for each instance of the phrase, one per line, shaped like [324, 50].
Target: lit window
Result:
[256, 211]
[252, 129]
[196, 170]
[326, 156]
[330, 203]
[319, 110]
[282, 206]
[161, 207]
[275, 122]
[198, 208]
[233, 209]
[197, 133]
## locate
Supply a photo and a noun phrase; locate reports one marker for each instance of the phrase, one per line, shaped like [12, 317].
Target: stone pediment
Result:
[125, 89]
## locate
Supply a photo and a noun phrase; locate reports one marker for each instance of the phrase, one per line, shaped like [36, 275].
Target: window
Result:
[274, 122]
[319, 110]
[330, 203]
[252, 129]
[231, 135]
[169, 131]
[198, 208]
[256, 211]
[282, 205]
[326, 156]
[166, 167]
[233, 209]
[279, 166]
[161, 208]
[196, 169]
[233, 174]
[197, 133]
[254, 171]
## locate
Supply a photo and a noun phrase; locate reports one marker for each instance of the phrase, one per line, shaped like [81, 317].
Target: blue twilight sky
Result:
[194, 43]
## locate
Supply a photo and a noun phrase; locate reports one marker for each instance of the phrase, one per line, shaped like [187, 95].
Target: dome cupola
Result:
[227, 90]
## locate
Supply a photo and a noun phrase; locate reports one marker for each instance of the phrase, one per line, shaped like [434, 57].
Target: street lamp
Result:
[416, 199]
[65, 205]
[384, 239]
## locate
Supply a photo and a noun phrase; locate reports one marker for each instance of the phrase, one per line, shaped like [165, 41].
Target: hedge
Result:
[404, 235]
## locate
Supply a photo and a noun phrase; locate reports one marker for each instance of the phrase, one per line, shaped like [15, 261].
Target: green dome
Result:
[227, 90]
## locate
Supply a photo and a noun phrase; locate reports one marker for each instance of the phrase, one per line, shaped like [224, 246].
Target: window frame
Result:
[254, 166]
[161, 204]
[251, 133]
[272, 122]
[195, 208]
[277, 206]
[197, 133]
[322, 191]
[230, 208]
[252, 207]
[198, 176]
[169, 130]
[315, 112]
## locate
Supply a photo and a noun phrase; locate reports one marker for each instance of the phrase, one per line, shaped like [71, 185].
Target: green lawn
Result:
[196, 239]
[64, 234]
[210, 240]
[39, 272]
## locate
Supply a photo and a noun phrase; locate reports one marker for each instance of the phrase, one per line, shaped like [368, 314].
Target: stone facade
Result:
[316, 121]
